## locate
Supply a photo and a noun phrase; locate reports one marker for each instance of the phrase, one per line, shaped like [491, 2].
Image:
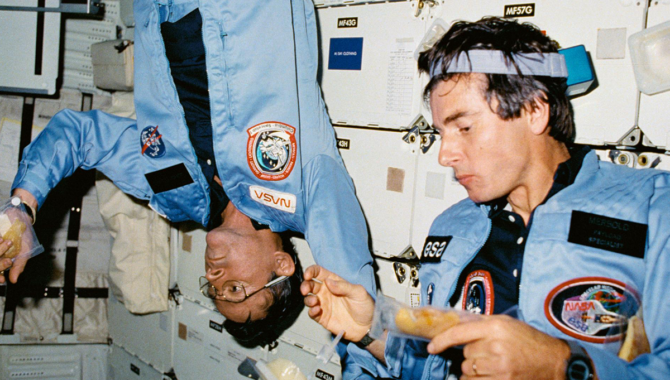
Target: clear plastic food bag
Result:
[423, 322]
[16, 225]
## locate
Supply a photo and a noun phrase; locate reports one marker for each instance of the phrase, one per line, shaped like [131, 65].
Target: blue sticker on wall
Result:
[345, 53]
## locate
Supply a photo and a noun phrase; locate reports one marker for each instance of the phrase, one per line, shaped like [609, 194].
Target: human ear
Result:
[284, 265]
[538, 116]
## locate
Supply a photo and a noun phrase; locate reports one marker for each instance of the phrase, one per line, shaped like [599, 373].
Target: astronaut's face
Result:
[247, 260]
[489, 155]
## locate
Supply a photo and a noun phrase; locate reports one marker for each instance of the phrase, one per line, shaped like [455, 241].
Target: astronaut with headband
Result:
[548, 244]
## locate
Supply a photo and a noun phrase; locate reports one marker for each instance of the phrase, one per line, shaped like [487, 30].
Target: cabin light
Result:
[650, 54]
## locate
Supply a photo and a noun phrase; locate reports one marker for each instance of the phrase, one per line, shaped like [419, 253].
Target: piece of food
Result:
[636, 342]
[14, 234]
[285, 370]
[425, 322]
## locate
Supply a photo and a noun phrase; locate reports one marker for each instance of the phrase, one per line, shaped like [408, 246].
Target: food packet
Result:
[417, 323]
[16, 225]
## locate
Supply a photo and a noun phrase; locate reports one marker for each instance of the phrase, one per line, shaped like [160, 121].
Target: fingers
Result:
[311, 272]
[4, 265]
[463, 333]
[17, 268]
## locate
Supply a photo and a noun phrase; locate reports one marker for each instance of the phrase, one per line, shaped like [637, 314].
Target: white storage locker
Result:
[602, 26]
[436, 190]
[368, 66]
[29, 47]
[191, 262]
[305, 332]
[654, 117]
[383, 168]
[203, 349]
[125, 366]
[63, 362]
[149, 337]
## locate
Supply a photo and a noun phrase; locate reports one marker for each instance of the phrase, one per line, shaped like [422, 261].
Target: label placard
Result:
[520, 10]
[611, 234]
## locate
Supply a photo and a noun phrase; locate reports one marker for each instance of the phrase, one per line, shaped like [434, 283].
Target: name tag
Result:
[434, 248]
[169, 178]
[272, 198]
[610, 234]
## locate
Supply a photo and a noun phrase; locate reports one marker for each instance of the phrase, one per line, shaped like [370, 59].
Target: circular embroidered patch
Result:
[271, 150]
[478, 293]
[592, 309]
[151, 142]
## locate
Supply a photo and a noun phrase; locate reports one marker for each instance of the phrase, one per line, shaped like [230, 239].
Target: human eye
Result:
[464, 129]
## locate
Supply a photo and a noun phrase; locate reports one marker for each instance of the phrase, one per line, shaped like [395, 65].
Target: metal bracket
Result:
[423, 4]
[634, 137]
[419, 123]
[427, 140]
[400, 272]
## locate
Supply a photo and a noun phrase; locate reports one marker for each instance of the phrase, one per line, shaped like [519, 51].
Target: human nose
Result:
[449, 152]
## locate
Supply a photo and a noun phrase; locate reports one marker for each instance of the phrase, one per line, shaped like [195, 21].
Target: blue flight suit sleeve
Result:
[84, 140]
[656, 304]
[337, 234]
[335, 226]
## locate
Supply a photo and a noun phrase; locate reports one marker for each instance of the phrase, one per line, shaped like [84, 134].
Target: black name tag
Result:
[216, 326]
[610, 234]
[169, 178]
[434, 248]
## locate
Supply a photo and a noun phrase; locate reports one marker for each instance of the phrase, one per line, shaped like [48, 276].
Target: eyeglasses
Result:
[232, 291]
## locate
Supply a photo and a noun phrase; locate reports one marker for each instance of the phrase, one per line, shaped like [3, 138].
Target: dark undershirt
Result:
[186, 52]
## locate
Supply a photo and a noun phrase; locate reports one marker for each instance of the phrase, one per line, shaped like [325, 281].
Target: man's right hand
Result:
[337, 304]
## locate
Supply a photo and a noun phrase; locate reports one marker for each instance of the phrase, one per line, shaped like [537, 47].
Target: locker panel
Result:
[149, 336]
[305, 332]
[66, 362]
[30, 58]
[654, 117]
[383, 168]
[202, 347]
[191, 262]
[125, 366]
[436, 190]
[369, 71]
[602, 26]
[204, 350]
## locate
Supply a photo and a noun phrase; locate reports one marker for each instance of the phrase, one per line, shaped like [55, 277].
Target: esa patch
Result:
[616, 235]
[151, 142]
[434, 248]
[271, 150]
[478, 294]
[592, 309]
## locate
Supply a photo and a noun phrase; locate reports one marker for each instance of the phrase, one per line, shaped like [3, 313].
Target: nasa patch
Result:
[271, 150]
[592, 309]
[478, 294]
[151, 142]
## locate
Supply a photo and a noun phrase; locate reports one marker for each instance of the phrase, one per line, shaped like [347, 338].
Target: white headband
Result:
[494, 62]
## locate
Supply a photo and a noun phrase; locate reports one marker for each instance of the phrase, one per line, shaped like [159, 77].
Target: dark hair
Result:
[285, 309]
[513, 92]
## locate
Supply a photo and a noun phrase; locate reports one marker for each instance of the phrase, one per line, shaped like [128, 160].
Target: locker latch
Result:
[422, 4]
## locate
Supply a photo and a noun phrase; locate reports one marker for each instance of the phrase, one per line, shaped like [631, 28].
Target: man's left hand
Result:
[500, 347]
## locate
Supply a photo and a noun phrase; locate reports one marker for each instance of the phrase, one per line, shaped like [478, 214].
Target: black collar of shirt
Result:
[565, 175]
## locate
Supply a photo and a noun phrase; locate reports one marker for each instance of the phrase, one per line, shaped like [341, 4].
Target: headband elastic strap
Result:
[494, 62]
